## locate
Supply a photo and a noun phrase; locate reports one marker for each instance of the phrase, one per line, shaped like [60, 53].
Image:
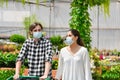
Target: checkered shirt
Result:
[37, 54]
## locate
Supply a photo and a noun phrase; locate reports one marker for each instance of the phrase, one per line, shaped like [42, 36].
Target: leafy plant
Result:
[96, 76]
[2, 2]
[19, 46]
[80, 20]
[54, 64]
[7, 60]
[112, 74]
[22, 1]
[6, 74]
[104, 5]
[17, 38]
[57, 42]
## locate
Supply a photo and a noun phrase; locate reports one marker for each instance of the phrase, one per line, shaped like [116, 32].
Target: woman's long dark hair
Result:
[76, 33]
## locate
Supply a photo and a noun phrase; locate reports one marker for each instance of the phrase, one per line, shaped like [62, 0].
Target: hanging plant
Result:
[2, 2]
[104, 5]
[80, 18]
[22, 1]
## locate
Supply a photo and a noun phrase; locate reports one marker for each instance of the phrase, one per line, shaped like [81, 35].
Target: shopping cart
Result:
[27, 78]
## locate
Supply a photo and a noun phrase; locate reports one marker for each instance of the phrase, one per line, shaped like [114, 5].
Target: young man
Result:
[38, 51]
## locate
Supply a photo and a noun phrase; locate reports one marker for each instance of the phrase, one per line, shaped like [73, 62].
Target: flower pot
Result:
[54, 73]
[25, 72]
[55, 57]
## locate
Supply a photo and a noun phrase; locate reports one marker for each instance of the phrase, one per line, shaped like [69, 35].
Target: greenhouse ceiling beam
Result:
[63, 1]
[115, 0]
[42, 2]
[33, 2]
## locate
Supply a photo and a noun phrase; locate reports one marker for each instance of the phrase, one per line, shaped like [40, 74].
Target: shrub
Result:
[57, 42]
[19, 46]
[112, 74]
[17, 38]
[7, 60]
[6, 74]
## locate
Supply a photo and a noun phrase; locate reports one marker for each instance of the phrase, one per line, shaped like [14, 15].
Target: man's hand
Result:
[43, 77]
[16, 76]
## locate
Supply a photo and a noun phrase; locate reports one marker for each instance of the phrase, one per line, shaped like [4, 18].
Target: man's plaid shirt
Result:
[37, 54]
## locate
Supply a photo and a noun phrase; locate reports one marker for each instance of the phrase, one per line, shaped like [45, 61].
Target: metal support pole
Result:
[98, 27]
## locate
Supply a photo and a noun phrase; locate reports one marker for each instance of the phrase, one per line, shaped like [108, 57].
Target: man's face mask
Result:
[68, 41]
[37, 34]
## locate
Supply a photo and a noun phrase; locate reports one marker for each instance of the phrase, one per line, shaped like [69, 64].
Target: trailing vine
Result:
[104, 5]
[80, 18]
[22, 1]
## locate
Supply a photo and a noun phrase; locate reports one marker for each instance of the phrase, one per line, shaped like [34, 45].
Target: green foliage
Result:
[17, 38]
[22, 1]
[104, 4]
[28, 21]
[6, 74]
[80, 20]
[61, 46]
[104, 69]
[96, 76]
[108, 73]
[2, 2]
[25, 64]
[112, 74]
[7, 60]
[93, 53]
[57, 41]
[54, 64]
[19, 46]
[115, 52]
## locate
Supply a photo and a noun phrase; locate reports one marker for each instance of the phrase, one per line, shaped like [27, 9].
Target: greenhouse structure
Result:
[54, 15]
[55, 18]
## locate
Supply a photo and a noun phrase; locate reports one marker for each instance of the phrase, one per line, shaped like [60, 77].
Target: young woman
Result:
[38, 52]
[74, 62]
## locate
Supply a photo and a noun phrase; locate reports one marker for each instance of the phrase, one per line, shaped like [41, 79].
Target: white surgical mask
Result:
[68, 41]
[37, 34]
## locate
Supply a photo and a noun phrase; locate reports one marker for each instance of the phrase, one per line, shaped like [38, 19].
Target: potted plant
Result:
[54, 67]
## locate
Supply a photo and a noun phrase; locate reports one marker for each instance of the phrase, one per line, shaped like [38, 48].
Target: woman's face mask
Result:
[68, 41]
[37, 34]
